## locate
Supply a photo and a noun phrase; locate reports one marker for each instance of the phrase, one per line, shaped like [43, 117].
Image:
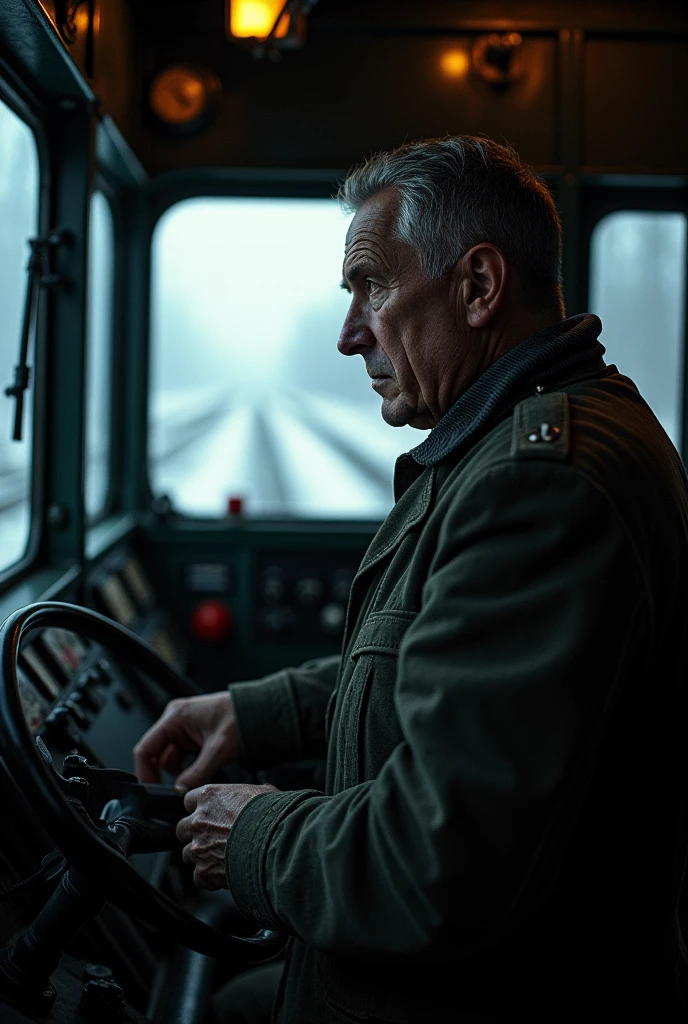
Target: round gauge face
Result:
[179, 95]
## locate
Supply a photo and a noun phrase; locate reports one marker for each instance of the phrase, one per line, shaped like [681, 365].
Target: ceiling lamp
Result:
[268, 25]
[256, 19]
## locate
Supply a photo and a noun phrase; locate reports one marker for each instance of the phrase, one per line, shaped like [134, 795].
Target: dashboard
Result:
[74, 693]
[212, 615]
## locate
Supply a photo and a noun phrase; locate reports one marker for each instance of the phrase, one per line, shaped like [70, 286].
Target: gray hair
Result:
[462, 190]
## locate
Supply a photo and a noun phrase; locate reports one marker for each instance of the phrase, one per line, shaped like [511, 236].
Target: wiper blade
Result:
[39, 277]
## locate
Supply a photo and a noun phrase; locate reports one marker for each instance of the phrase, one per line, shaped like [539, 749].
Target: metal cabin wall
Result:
[605, 90]
[370, 77]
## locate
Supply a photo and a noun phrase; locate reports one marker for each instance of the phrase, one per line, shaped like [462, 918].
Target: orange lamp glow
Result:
[454, 63]
[249, 19]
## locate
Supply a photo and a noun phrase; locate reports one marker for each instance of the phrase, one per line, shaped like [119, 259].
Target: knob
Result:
[74, 764]
[278, 620]
[103, 671]
[274, 589]
[332, 618]
[96, 971]
[87, 693]
[78, 714]
[102, 999]
[309, 590]
[59, 726]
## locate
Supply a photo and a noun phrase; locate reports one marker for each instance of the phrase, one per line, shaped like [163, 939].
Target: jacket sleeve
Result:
[505, 681]
[282, 716]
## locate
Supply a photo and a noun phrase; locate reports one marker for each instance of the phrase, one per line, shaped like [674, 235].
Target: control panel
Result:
[76, 697]
[301, 597]
[121, 589]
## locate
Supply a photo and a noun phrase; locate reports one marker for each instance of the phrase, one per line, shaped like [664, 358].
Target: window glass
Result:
[19, 193]
[249, 395]
[637, 288]
[101, 255]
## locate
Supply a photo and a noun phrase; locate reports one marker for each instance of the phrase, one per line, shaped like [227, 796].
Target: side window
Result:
[99, 355]
[637, 288]
[249, 395]
[19, 194]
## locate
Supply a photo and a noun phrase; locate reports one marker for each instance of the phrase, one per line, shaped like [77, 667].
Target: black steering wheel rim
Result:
[84, 849]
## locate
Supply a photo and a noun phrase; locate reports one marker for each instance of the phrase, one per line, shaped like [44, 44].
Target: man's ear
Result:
[485, 273]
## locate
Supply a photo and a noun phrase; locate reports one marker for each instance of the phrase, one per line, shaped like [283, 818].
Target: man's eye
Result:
[371, 286]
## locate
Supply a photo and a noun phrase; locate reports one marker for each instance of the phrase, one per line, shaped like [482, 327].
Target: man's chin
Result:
[396, 412]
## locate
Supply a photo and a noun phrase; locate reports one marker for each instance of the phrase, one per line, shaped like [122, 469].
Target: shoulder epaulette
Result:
[541, 428]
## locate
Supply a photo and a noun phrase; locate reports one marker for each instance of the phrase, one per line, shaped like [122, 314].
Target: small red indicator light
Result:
[211, 620]
[235, 506]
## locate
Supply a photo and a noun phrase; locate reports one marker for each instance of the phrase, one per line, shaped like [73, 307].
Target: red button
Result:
[211, 620]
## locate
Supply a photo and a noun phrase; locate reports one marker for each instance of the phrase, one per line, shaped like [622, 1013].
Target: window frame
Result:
[101, 183]
[659, 195]
[24, 105]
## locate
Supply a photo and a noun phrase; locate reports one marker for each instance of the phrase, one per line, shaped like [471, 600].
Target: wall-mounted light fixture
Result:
[77, 22]
[498, 58]
[268, 26]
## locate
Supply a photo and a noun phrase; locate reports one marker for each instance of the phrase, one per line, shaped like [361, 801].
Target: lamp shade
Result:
[253, 19]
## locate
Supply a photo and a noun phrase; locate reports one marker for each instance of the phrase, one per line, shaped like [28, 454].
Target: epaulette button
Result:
[546, 433]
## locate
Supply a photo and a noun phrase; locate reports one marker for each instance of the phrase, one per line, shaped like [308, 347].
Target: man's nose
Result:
[355, 336]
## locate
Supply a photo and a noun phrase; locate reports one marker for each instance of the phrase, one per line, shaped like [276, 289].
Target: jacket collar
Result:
[558, 354]
[554, 354]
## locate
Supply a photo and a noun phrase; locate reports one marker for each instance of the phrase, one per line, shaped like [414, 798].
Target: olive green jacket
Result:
[503, 811]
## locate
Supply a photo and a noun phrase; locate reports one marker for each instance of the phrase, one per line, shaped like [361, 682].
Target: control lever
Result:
[109, 796]
[129, 815]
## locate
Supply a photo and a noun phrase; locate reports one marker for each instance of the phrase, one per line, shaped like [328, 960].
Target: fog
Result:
[246, 314]
[19, 194]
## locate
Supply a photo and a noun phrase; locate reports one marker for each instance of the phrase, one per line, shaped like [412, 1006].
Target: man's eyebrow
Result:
[356, 271]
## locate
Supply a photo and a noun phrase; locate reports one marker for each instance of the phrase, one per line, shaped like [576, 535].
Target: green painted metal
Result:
[71, 144]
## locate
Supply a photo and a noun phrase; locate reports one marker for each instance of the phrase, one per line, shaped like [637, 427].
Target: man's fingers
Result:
[183, 831]
[148, 750]
[146, 767]
[201, 882]
[172, 759]
[209, 759]
[164, 739]
[190, 802]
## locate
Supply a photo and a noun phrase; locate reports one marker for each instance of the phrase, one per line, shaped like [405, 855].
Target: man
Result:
[502, 828]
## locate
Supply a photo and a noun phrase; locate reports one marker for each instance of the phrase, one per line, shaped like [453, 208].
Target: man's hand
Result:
[206, 724]
[204, 833]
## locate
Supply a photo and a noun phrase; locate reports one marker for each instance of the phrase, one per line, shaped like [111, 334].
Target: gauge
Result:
[182, 96]
[34, 705]
[49, 682]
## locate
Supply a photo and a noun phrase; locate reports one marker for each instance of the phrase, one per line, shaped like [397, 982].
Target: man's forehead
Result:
[376, 217]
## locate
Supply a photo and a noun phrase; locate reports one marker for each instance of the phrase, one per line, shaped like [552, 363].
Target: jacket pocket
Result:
[374, 658]
[382, 633]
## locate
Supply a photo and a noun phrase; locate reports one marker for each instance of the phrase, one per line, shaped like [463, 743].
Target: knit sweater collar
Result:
[551, 355]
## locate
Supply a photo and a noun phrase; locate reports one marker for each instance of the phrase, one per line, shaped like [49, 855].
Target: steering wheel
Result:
[95, 851]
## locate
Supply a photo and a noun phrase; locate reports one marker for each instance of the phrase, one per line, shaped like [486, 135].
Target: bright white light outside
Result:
[19, 184]
[249, 393]
[637, 288]
[101, 255]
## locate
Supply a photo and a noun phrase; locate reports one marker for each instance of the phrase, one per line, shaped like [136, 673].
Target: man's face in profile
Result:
[403, 323]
